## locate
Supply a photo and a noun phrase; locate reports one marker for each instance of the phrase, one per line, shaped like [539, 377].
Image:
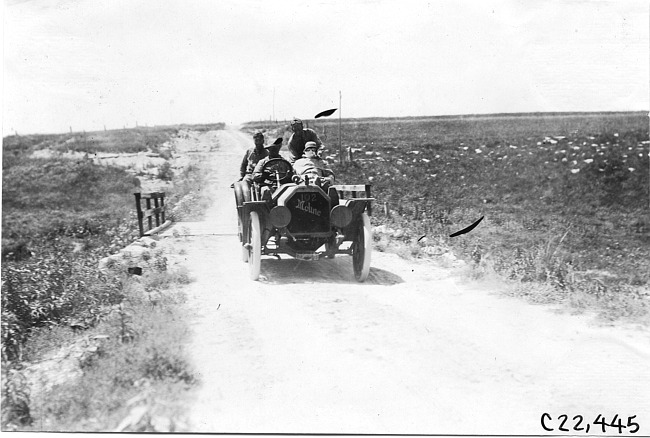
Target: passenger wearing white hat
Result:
[314, 167]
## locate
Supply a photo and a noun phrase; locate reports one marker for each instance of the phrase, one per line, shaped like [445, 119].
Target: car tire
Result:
[255, 249]
[242, 194]
[239, 201]
[362, 249]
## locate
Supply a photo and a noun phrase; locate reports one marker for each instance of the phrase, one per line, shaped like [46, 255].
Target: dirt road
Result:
[412, 350]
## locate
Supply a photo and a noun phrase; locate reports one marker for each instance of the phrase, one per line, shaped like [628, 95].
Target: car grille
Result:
[309, 213]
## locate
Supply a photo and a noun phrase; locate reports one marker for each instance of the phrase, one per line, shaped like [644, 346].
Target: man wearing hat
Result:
[252, 157]
[299, 138]
[273, 151]
[314, 166]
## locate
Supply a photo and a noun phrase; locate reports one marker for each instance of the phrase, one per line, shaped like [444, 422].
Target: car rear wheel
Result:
[255, 247]
[362, 249]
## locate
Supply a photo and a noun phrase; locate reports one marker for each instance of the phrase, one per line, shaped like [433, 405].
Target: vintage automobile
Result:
[288, 214]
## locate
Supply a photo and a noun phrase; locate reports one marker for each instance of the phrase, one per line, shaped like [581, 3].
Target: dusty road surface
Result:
[413, 350]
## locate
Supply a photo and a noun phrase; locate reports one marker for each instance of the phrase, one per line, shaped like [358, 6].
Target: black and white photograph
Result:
[361, 217]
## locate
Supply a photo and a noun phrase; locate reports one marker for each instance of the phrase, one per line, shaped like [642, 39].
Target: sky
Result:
[87, 64]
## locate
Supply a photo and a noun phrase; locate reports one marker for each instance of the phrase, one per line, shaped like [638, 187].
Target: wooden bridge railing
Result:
[150, 213]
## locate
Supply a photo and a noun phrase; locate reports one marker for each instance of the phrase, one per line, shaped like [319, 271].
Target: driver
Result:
[274, 152]
[314, 166]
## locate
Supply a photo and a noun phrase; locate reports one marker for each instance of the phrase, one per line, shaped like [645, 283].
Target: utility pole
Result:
[340, 147]
[274, 104]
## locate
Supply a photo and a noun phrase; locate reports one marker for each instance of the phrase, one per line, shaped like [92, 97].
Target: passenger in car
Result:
[300, 137]
[314, 167]
[252, 157]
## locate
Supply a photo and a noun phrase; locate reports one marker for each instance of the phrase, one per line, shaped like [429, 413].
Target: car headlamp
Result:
[280, 216]
[341, 216]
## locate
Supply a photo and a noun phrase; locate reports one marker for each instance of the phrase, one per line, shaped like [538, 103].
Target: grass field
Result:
[564, 198]
[115, 141]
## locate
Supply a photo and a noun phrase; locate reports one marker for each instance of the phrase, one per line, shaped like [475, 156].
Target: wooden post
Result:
[162, 204]
[155, 204]
[149, 219]
[386, 211]
[138, 208]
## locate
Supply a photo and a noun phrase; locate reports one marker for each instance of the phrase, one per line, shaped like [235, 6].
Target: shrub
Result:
[15, 399]
[165, 172]
[50, 289]
[129, 366]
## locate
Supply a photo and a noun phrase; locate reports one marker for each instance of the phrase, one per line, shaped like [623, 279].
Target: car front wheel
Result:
[362, 249]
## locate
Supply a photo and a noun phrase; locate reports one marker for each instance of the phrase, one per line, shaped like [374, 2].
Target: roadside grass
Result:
[114, 141]
[59, 218]
[130, 370]
[190, 195]
[130, 140]
[564, 196]
[41, 196]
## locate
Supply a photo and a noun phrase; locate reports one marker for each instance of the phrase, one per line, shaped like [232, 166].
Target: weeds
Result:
[143, 354]
[190, 199]
[126, 332]
[15, 399]
[50, 289]
[60, 217]
[561, 194]
[165, 172]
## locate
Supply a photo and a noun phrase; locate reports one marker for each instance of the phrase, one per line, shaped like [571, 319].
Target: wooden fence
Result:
[157, 212]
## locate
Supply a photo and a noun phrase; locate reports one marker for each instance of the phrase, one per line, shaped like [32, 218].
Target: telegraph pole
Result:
[340, 148]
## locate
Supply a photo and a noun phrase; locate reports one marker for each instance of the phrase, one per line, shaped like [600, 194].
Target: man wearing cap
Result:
[273, 150]
[299, 138]
[314, 166]
[252, 157]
